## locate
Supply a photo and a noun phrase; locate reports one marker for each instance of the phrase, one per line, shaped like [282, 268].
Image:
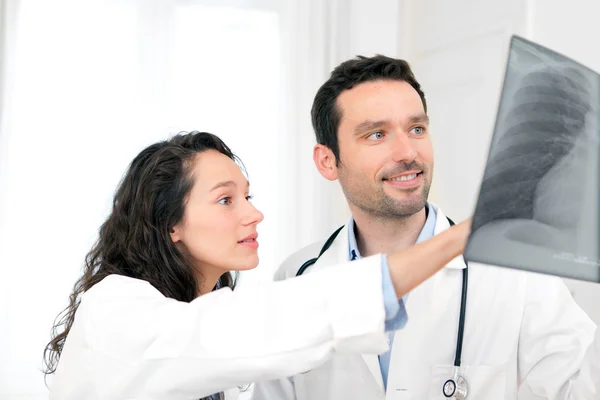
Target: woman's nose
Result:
[254, 216]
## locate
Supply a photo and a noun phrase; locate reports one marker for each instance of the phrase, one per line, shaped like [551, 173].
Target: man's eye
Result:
[418, 130]
[376, 135]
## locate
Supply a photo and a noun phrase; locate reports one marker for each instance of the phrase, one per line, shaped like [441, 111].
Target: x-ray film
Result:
[538, 204]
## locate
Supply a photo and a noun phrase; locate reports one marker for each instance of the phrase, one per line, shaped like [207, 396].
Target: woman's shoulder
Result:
[118, 286]
[117, 298]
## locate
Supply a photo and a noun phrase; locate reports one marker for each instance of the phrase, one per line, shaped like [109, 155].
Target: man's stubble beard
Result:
[383, 206]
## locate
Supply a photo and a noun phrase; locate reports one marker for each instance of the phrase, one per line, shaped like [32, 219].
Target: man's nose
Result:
[403, 149]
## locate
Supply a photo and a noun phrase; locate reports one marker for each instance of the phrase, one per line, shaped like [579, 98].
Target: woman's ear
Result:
[175, 233]
[325, 162]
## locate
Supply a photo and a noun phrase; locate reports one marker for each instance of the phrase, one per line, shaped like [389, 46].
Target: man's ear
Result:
[325, 162]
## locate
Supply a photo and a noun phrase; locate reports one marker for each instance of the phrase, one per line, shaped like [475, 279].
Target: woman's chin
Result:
[246, 264]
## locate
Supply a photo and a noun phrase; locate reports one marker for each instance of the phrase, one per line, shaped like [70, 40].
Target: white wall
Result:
[572, 30]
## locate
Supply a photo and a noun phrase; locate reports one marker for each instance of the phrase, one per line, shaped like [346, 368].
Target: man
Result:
[372, 129]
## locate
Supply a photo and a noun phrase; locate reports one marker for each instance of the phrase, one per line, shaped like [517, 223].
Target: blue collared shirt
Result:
[395, 311]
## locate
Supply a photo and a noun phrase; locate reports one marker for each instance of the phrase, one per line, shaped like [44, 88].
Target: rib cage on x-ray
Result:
[547, 114]
[539, 201]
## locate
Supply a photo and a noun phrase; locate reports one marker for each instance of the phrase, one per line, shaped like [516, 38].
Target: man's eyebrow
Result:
[369, 125]
[422, 118]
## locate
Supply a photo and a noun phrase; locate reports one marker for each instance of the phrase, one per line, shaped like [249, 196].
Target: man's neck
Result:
[385, 235]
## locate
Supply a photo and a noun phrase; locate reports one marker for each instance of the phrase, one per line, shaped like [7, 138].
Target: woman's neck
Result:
[208, 279]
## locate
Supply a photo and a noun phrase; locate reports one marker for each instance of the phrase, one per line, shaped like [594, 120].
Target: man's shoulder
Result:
[290, 266]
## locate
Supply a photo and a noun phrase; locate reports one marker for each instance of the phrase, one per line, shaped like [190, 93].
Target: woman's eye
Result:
[376, 135]
[225, 201]
[249, 197]
[418, 130]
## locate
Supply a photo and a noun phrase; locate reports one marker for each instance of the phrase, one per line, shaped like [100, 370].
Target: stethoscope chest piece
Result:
[456, 388]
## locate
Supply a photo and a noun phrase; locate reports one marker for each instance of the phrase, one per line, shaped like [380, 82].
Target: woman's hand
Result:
[411, 267]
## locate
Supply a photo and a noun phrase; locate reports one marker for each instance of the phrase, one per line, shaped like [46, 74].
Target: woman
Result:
[154, 315]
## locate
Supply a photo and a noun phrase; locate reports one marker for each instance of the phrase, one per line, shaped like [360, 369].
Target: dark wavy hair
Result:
[135, 240]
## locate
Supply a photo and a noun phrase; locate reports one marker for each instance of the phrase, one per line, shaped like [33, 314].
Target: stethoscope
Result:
[456, 387]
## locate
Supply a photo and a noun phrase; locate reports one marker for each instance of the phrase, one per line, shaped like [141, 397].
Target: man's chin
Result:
[408, 204]
[399, 195]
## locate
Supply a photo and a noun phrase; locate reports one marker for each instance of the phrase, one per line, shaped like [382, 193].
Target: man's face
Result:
[386, 157]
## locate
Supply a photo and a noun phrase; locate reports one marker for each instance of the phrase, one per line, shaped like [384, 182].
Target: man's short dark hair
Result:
[325, 112]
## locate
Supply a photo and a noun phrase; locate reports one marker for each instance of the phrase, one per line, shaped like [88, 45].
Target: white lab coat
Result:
[520, 327]
[128, 341]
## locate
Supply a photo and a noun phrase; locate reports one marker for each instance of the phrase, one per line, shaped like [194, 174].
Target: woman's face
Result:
[218, 230]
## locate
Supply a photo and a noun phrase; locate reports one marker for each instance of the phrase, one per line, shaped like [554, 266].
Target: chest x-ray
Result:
[538, 203]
